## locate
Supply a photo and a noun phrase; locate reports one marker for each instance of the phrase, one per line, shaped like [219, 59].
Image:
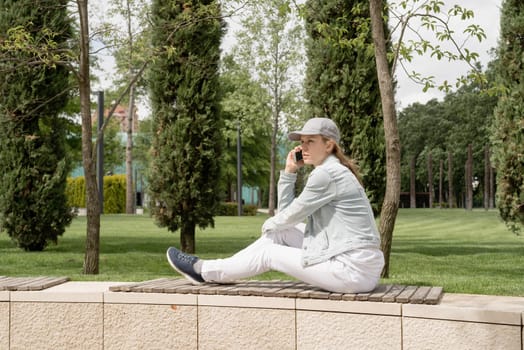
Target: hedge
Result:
[76, 192]
[231, 209]
[115, 197]
[114, 193]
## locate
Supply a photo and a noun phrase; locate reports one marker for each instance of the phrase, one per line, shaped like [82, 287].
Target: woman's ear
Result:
[330, 146]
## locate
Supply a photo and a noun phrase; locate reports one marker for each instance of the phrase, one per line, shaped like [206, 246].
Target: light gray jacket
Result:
[339, 216]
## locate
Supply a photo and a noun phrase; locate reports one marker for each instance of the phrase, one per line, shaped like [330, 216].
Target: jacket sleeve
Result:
[320, 190]
[286, 189]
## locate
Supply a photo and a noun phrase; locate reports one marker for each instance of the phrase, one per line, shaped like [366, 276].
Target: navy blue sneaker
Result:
[183, 263]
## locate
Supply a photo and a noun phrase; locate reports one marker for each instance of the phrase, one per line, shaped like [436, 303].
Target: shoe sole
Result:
[191, 279]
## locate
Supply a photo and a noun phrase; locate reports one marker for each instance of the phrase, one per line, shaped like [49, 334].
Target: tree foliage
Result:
[113, 147]
[439, 127]
[33, 91]
[269, 47]
[127, 40]
[245, 104]
[429, 28]
[130, 53]
[342, 84]
[184, 93]
[142, 146]
[508, 127]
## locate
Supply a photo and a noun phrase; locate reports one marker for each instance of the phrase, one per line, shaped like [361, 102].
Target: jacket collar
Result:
[330, 159]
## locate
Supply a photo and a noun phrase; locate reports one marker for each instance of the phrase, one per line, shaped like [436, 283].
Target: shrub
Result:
[114, 193]
[76, 192]
[231, 209]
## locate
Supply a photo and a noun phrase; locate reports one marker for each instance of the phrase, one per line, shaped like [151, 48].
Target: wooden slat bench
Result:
[30, 283]
[287, 289]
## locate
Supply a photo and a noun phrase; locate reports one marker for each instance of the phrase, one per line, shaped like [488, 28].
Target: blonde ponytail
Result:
[349, 163]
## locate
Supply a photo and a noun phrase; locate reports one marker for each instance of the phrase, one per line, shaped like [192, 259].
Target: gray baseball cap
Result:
[317, 126]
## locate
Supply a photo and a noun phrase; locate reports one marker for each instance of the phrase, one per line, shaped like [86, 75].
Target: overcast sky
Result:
[487, 14]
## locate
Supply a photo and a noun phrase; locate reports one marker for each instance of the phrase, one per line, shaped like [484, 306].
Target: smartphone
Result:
[298, 156]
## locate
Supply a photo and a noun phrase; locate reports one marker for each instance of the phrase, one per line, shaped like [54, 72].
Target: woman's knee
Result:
[291, 237]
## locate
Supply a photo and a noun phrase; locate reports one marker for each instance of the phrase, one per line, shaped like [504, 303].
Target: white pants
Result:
[352, 272]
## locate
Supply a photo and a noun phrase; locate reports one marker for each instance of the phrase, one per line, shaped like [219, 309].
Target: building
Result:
[119, 117]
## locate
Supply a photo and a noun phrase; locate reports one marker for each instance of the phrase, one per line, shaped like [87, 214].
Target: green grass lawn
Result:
[465, 252]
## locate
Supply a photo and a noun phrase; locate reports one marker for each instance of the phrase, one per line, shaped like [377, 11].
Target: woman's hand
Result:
[291, 165]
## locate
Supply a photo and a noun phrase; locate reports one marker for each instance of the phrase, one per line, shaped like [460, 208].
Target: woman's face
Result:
[314, 149]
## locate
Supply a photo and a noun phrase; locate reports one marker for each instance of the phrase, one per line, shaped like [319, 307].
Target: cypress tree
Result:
[33, 92]
[341, 84]
[187, 127]
[508, 128]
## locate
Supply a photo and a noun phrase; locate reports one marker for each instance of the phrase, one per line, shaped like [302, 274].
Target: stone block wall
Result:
[150, 321]
[86, 315]
[4, 320]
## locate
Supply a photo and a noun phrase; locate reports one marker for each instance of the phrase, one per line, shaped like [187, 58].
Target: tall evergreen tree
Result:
[342, 84]
[187, 126]
[33, 206]
[508, 135]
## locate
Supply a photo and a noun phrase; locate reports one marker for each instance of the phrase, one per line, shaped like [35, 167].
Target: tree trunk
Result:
[469, 179]
[277, 96]
[412, 183]
[451, 196]
[464, 194]
[389, 211]
[491, 187]
[487, 180]
[441, 184]
[130, 193]
[229, 191]
[91, 259]
[187, 237]
[430, 180]
[130, 190]
[272, 180]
